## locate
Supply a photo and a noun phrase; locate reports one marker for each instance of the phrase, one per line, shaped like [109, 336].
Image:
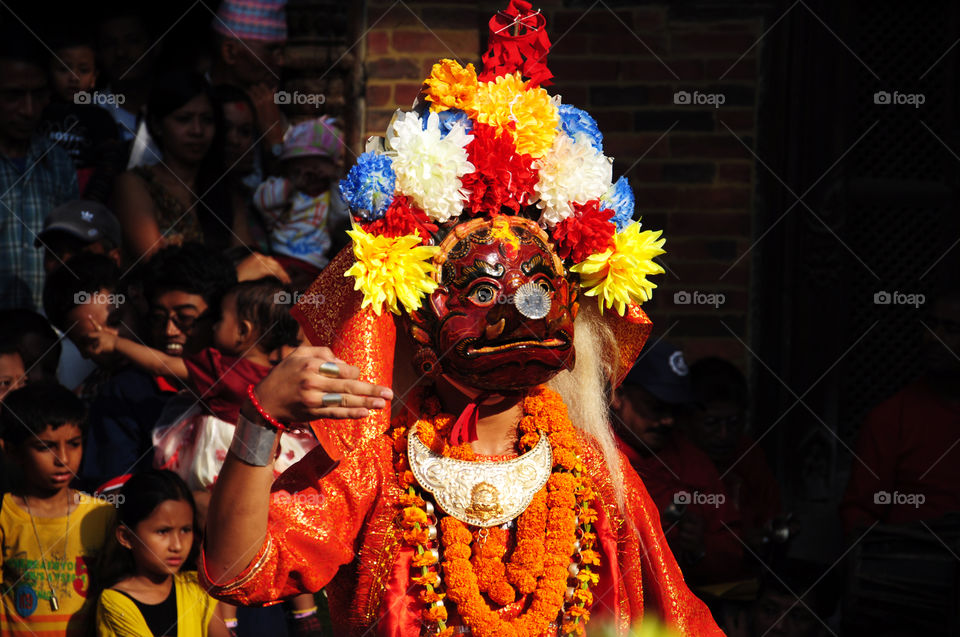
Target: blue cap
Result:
[662, 371]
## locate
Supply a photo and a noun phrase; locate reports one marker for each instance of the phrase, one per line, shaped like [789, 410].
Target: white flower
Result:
[571, 171]
[429, 167]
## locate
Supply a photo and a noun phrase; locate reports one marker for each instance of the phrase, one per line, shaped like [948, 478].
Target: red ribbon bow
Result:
[525, 52]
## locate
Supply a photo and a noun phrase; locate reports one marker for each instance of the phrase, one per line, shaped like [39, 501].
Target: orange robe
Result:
[335, 526]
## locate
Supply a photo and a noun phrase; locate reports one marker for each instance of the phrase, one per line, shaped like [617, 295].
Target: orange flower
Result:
[435, 613]
[414, 515]
[590, 557]
[416, 536]
[429, 596]
[583, 596]
[450, 85]
[578, 611]
[588, 577]
[427, 558]
[432, 578]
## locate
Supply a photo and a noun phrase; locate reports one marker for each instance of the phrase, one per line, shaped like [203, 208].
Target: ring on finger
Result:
[329, 369]
[332, 400]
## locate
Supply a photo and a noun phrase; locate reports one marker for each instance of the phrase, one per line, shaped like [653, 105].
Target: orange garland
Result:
[546, 531]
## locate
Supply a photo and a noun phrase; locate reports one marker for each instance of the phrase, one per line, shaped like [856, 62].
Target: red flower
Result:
[502, 177]
[403, 217]
[587, 231]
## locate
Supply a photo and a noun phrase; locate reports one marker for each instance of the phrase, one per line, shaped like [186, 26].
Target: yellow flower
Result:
[510, 105]
[391, 269]
[618, 276]
[451, 86]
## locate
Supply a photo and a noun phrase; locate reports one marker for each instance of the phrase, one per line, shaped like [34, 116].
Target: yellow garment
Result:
[26, 594]
[118, 616]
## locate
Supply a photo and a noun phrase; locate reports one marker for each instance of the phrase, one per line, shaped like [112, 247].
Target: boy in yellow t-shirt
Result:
[49, 533]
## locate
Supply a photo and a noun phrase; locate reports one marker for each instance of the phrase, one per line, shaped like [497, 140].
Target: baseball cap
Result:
[86, 220]
[662, 371]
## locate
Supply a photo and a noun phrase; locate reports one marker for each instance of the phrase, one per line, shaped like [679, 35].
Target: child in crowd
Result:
[145, 589]
[300, 207]
[254, 332]
[74, 118]
[49, 533]
[37, 343]
[12, 373]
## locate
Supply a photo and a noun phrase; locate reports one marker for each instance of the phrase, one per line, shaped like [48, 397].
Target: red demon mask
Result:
[502, 316]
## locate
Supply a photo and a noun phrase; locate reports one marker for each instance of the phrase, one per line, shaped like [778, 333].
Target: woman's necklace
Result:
[54, 603]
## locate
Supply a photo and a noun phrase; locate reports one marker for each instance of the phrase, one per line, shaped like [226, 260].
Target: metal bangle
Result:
[253, 443]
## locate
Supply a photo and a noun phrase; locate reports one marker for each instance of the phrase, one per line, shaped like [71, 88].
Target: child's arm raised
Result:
[107, 341]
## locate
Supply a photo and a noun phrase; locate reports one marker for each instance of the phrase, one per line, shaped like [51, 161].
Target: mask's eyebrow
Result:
[537, 264]
[477, 270]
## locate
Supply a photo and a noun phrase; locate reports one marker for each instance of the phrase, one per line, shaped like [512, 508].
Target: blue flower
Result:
[368, 187]
[620, 198]
[574, 120]
[448, 118]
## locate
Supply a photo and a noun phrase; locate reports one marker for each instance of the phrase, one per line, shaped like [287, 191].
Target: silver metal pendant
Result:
[532, 301]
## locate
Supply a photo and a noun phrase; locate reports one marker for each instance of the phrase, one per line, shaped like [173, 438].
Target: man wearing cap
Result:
[78, 226]
[697, 517]
[250, 37]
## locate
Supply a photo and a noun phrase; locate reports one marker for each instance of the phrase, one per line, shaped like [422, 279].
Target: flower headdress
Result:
[485, 146]
[479, 145]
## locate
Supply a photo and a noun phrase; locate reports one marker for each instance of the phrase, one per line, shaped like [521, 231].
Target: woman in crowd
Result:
[180, 198]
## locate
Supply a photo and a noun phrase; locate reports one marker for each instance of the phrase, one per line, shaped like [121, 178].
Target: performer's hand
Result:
[293, 391]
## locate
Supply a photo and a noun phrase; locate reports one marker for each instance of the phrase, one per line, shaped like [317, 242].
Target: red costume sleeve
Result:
[664, 590]
[312, 530]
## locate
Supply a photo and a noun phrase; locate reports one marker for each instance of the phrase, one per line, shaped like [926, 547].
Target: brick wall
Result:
[693, 177]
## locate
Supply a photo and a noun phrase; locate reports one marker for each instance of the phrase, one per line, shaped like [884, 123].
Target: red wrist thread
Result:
[263, 412]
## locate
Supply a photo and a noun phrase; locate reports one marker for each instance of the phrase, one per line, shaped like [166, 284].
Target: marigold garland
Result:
[546, 536]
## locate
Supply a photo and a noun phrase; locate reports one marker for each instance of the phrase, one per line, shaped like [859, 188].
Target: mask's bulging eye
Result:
[532, 300]
[483, 294]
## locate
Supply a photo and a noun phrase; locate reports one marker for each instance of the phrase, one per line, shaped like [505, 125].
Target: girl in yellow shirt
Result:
[154, 538]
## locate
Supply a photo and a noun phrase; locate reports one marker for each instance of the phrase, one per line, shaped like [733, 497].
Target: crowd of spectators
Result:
[156, 222]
